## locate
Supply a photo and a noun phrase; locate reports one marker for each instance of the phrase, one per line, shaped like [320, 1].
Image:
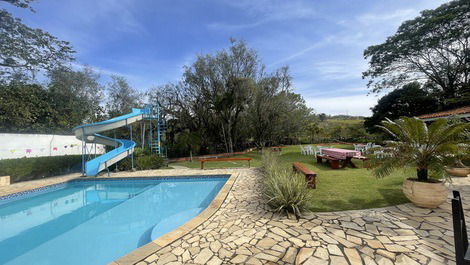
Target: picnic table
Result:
[343, 155]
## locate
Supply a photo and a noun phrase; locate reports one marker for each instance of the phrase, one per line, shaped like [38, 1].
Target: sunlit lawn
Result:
[337, 190]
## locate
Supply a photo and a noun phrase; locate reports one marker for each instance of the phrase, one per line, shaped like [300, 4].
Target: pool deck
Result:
[242, 230]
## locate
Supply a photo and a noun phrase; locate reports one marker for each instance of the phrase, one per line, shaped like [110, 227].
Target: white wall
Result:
[34, 145]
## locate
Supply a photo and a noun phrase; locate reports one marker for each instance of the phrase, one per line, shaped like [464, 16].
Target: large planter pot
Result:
[425, 194]
[458, 171]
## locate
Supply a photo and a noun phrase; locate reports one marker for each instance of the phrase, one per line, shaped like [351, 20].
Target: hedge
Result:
[22, 169]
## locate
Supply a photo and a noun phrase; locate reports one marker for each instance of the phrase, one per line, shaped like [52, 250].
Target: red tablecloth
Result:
[340, 153]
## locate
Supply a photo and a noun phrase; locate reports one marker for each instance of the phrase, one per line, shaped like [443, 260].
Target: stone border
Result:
[143, 252]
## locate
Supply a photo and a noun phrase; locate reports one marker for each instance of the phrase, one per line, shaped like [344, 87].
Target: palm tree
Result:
[428, 148]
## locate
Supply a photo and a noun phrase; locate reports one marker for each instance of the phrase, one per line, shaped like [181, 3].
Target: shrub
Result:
[285, 191]
[22, 169]
[143, 160]
[269, 162]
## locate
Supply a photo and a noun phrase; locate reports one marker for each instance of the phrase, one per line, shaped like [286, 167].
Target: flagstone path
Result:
[245, 231]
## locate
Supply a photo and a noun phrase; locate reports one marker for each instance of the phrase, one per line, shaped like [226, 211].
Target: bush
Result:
[22, 169]
[143, 160]
[285, 191]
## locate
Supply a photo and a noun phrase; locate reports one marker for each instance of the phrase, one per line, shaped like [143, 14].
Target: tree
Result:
[121, 97]
[26, 50]
[79, 94]
[410, 100]
[26, 108]
[313, 131]
[224, 82]
[432, 47]
[229, 102]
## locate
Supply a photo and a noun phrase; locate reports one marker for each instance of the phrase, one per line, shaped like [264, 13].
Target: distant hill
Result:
[345, 117]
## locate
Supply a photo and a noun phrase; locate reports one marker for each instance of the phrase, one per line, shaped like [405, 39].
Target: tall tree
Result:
[410, 100]
[434, 46]
[25, 50]
[26, 108]
[79, 94]
[224, 82]
[121, 97]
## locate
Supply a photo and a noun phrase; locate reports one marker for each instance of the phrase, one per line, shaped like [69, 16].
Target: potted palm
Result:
[426, 148]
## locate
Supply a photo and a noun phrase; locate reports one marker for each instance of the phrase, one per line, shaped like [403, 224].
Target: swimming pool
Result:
[100, 220]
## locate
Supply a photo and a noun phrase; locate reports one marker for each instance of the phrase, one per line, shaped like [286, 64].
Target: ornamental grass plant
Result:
[284, 190]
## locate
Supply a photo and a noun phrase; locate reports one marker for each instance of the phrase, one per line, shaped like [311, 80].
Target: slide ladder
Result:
[89, 133]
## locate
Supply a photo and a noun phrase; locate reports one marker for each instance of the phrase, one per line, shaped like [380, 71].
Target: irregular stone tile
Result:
[304, 254]
[334, 250]
[322, 253]
[238, 259]
[203, 256]
[290, 255]
[353, 256]
[337, 260]
[315, 261]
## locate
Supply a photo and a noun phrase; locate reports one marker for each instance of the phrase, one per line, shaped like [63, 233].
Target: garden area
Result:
[337, 189]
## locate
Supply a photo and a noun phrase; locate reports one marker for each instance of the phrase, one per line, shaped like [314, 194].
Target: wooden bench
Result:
[225, 159]
[276, 149]
[310, 176]
[363, 159]
[334, 162]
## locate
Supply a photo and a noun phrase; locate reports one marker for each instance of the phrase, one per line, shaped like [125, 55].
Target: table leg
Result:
[350, 162]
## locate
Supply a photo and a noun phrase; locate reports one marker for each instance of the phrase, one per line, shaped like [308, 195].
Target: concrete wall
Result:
[34, 145]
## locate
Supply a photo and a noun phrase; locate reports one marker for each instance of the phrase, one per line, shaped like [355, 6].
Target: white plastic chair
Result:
[303, 150]
[310, 150]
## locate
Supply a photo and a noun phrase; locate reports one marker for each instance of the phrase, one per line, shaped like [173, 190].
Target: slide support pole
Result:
[83, 152]
[132, 154]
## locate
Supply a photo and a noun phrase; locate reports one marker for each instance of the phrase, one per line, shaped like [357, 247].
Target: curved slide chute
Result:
[89, 133]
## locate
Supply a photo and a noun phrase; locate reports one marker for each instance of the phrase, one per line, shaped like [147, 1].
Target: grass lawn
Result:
[337, 190]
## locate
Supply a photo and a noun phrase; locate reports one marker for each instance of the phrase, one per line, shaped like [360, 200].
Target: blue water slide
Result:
[89, 133]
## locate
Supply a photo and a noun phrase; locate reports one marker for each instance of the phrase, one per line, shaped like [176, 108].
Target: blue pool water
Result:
[98, 221]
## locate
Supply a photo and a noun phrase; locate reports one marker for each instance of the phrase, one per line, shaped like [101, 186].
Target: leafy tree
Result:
[78, 94]
[229, 102]
[313, 130]
[19, 3]
[410, 100]
[224, 82]
[121, 97]
[432, 47]
[26, 108]
[27, 50]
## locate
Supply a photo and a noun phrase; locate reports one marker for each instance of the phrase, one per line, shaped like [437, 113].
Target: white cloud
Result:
[337, 70]
[396, 16]
[265, 11]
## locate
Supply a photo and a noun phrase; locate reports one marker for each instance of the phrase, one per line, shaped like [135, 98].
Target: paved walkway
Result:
[244, 231]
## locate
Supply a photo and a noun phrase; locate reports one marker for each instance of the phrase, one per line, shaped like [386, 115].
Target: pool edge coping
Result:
[165, 240]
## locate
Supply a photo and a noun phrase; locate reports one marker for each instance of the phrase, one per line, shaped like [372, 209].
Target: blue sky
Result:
[149, 41]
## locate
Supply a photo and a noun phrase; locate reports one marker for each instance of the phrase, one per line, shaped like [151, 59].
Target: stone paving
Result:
[245, 231]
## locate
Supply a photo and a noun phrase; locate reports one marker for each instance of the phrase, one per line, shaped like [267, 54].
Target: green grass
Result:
[345, 122]
[337, 190]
